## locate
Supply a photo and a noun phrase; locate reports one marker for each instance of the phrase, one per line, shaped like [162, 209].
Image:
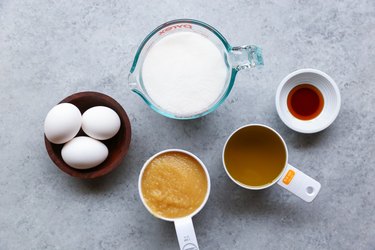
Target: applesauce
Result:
[174, 185]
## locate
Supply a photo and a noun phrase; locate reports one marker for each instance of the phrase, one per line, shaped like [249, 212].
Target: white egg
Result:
[84, 152]
[62, 123]
[100, 122]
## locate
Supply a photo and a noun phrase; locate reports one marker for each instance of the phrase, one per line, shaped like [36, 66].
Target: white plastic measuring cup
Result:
[289, 177]
[184, 226]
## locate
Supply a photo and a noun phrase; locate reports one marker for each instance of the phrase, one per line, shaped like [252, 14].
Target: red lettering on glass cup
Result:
[177, 26]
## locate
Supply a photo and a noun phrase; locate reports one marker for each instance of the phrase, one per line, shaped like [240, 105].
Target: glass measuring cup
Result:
[235, 58]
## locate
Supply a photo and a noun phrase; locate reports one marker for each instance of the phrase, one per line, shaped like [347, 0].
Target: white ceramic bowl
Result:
[329, 90]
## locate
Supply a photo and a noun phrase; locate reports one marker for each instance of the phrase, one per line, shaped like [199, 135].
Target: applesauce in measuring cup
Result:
[174, 185]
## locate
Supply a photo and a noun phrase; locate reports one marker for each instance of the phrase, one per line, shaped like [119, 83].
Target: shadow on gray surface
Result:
[300, 140]
[271, 202]
[95, 186]
[198, 125]
[104, 183]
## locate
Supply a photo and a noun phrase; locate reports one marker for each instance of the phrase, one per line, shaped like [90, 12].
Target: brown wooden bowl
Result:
[117, 146]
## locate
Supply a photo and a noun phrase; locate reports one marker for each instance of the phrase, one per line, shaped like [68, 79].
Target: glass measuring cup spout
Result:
[233, 59]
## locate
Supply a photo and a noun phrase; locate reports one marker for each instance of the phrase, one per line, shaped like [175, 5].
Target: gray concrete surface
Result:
[51, 49]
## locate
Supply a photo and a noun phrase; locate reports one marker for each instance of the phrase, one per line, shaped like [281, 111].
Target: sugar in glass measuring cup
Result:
[211, 65]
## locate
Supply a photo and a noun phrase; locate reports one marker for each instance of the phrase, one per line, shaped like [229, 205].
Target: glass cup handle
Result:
[186, 234]
[299, 184]
[246, 56]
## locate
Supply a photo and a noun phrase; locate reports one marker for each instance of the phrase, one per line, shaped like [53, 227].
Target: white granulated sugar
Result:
[184, 73]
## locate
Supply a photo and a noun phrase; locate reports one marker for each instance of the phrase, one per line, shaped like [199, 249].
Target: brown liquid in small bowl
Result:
[305, 101]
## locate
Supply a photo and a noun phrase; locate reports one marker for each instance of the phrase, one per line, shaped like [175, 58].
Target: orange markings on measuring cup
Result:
[289, 176]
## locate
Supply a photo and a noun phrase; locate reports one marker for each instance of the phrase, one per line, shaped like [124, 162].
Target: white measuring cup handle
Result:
[299, 183]
[186, 234]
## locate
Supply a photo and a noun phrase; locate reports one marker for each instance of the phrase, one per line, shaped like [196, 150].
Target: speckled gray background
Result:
[51, 49]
